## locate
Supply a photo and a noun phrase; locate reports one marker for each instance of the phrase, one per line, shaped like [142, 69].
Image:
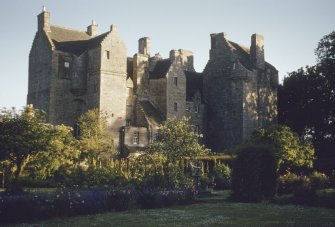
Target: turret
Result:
[43, 20]
[257, 51]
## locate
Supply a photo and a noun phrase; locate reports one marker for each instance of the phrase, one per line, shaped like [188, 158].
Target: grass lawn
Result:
[214, 211]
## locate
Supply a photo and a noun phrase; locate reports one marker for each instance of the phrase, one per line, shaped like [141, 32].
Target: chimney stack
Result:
[144, 46]
[92, 30]
[257, 51]
[43, 20]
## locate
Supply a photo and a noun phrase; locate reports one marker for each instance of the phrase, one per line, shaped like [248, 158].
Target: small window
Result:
[107, 54]
[136, 138]
[128, 122]
[196, 108]
[175, 106]
[175, 80]
[67, 64]
[188, 108]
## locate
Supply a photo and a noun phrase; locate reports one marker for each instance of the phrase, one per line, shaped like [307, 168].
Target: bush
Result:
[222, 177]
[254, 174]
[120, 199]
[288, 183]
[319, 180]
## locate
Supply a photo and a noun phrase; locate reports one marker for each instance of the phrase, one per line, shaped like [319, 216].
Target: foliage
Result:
[177, 139]
[254, 174]
[95, 139]
[293, 183]
[61, 151]
[290, 151]
[120, 199]
[222, 176]
[21, 136]
[306, 103]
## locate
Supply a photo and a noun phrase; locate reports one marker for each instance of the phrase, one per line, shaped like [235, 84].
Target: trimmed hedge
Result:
[254, 174]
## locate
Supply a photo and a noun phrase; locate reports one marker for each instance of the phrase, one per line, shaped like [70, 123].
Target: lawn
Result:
[214, 211]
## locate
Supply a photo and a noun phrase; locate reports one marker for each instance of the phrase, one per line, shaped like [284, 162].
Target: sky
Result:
[291, 29]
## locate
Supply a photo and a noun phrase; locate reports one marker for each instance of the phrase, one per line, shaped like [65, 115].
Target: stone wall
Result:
[39, 82]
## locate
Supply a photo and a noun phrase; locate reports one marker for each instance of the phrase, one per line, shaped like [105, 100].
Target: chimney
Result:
[43, 20]
[144, 46]
[92, 30]
[113, 28]
[257, 51]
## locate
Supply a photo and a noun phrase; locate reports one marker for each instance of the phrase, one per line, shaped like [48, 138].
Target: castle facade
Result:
[71, 72]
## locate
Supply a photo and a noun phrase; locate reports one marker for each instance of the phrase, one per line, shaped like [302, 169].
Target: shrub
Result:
[319, 180]
[120, 199]
[222, 176]
[254, 174]
[288, 183]
[304, 193]
[204, 182]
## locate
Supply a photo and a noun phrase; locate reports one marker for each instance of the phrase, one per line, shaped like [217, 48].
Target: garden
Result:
[283, 174]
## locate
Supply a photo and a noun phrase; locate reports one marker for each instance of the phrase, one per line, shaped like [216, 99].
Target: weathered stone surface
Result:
[73, 71]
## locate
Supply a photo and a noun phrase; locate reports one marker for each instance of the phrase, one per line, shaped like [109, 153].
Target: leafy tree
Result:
[21, 136]
[62, 150]
[176, 139]
[289, 149]
[95, 138]
[306, 102]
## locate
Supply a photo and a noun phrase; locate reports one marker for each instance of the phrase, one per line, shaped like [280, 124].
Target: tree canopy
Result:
[306, 102]
[177, 139]
[21, 136]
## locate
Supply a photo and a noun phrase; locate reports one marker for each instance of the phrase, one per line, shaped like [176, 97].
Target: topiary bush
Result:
[254, 174]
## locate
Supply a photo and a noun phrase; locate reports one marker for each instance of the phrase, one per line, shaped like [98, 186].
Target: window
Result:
[136, 138]
[175, 106]
[128, 122]
[175, 80]
[196, 108]
[188, 108]
[64, 67]
[107, 54]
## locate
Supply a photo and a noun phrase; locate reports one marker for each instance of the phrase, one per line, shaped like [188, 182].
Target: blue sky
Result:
[292, 29]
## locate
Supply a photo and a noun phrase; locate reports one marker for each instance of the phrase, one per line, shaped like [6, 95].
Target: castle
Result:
[71, 72]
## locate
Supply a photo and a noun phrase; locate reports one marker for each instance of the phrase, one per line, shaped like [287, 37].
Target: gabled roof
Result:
[244, 55]
[161, 69]
[193, 84]
[151, 113]
[72, 41]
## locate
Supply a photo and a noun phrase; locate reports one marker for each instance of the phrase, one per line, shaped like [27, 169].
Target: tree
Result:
[95, 138]
[21, 136]
[62, 150]
[290, 151]
[177, 139]
[306, 103]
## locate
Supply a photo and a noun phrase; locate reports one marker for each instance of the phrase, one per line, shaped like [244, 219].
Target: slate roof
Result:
[72, 41]
[161, 69]
[193, 84]
[151, 113]
[244, 55]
